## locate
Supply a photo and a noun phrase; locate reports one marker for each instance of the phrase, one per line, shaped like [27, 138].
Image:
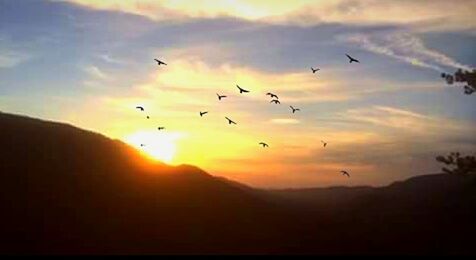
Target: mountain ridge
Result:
[65, 190]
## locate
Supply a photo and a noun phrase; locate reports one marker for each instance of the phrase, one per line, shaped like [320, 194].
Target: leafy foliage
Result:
[458, 164]
[467, 78]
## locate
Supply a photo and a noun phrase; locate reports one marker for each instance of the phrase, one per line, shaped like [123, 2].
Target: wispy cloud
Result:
[96, 73]
[150, 8]
[427, 15]
[108, 58]
[404, 47]
[392, 117]
[159, 10]
[435, 14]
[186, 75]
[11, 58]
[407, 122]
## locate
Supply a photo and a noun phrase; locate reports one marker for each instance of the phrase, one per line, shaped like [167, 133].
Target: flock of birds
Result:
[274, 99]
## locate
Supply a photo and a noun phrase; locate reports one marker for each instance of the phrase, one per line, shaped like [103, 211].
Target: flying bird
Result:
[324, 144]
[203, 113]
[160, 62]
[264, 144]
[230, 121]
[160, 128]
[148, 117]
[315, 70]
[140, 108]
[351, 59]
[272, 95]
[275, 101]
[294, 109]
[242, 90]
[345, 173]
[142, 145]
[220, 97]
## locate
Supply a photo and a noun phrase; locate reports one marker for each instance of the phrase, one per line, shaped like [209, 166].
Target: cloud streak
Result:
[441, 14]
[10, 58]
[405, 47]
[406, 122]
[96, 73]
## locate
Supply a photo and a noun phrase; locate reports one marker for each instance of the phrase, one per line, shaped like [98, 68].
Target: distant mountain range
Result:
[65, 190]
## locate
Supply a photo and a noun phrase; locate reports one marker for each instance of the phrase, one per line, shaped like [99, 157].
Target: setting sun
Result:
[160, 146]
[293, 127]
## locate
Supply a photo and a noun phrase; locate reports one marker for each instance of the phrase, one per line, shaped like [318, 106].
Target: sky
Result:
[90, 63]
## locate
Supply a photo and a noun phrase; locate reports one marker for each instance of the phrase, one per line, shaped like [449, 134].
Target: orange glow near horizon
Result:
[158, 146]
[381, 119]
[173, 97]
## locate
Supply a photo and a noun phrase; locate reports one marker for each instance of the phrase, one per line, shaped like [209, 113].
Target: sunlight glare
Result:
[159, 146]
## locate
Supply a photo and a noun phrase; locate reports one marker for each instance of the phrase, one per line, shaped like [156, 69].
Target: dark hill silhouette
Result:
[66, 190]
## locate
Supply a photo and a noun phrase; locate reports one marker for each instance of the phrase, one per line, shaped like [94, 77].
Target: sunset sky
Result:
[90, 63]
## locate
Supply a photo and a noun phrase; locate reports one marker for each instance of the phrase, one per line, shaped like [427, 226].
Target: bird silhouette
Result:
[220, 97]
[315, 70]
[468, 90]
[140, 108]
[264, 144]
[160, 62]
[160, 128]
[230, 121]
[203, 113]
[294, 109]
[142, 145]
[148, 117]
[242, 90]
[345, 173]
[272, 95]
[324, 144]
[275, 101]
[351, 59]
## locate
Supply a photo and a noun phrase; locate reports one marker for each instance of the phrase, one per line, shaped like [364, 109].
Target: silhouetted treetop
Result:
[467, 78]
[458, 164]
